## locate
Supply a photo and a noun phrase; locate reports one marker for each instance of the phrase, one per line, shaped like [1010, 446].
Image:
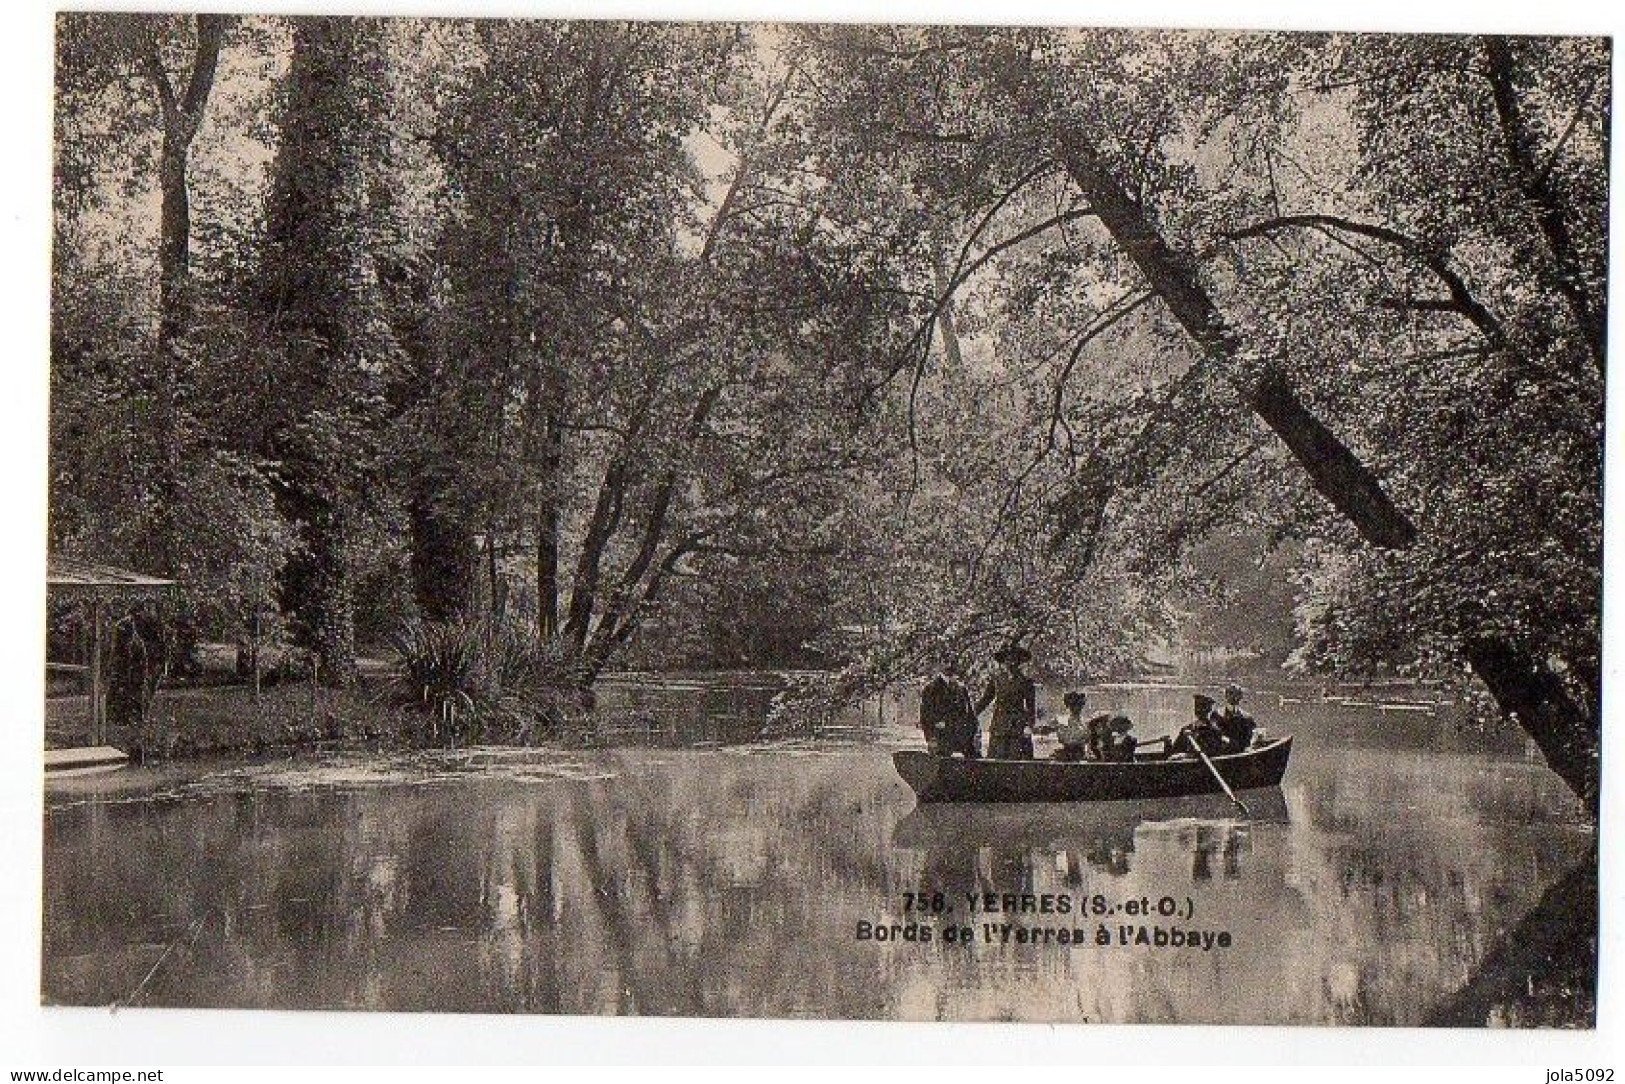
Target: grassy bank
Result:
[217, 719]
[231, 719]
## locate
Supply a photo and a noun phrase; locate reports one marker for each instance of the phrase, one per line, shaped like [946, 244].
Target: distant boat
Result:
[948, 779]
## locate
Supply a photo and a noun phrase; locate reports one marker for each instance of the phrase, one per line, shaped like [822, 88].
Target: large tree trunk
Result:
[332, 599]
[318, 587]
[181, 114]
[1528, 690]
[547, 571]
[1336, 473]
[316, 254]
[547, 511]
[442, 556]
[1524, 687]
[175, 232]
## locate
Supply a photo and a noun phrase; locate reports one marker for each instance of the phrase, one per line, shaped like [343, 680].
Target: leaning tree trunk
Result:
[1524, 687]
[1334, 470]
[1520, 144]
[1527, 689]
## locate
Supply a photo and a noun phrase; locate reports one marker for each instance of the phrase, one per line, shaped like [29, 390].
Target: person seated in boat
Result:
[1015, 705]
[1079, 737]
[1100, 734]
[1120, 742]
[1201, 733]
[1234, 724]
[945, 715]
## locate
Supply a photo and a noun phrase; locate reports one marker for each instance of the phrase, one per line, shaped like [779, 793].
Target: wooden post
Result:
[98, 694]
[475, 603]
[491, 572]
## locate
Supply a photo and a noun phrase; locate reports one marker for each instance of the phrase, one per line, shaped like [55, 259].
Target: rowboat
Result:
[948, 779]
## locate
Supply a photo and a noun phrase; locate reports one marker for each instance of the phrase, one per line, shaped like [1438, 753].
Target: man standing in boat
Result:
[1015, 706]
[945, 715]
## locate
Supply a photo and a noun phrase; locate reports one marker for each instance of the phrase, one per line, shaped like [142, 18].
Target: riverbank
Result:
[220, 720]
[683, 708]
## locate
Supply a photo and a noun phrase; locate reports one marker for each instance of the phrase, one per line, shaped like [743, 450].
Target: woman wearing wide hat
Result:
[1015, 705]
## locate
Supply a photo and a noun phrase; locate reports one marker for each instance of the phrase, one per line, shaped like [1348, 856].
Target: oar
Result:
[1215, 770]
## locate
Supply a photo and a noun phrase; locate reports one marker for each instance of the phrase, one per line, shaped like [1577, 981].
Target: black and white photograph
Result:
[865, 521]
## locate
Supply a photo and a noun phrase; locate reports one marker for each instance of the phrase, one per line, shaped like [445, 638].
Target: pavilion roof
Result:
[72, 576]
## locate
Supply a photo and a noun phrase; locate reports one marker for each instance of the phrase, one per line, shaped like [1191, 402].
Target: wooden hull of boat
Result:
[946, 779]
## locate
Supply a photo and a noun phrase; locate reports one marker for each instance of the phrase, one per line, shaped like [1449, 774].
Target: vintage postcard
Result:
[842, 521]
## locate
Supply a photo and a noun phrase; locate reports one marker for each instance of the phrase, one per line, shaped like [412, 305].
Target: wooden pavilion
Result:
[99, 589]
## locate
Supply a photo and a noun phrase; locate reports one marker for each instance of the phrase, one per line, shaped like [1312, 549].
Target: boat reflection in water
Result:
[975, 847]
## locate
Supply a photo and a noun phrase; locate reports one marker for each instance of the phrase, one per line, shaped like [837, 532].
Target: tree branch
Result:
[211, 30]
[1461, 298]
[1518, 142]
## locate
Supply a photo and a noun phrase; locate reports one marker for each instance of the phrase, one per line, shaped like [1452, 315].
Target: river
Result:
[1399, 854]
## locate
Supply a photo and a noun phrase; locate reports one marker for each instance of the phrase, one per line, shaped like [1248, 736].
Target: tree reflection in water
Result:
[1370, 889]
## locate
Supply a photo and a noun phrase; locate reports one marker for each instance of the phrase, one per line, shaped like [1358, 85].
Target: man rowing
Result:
[1201, 733]
[1215, 730]
[1235, 725]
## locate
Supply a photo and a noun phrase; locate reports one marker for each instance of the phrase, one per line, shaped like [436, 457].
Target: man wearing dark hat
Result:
[945, 715]
[1201, 732]
[1236, 725]
[1015, 706]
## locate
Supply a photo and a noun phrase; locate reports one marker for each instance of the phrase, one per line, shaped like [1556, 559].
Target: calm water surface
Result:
[731, 881]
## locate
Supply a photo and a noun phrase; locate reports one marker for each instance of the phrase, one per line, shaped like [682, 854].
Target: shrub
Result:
[483, 680]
